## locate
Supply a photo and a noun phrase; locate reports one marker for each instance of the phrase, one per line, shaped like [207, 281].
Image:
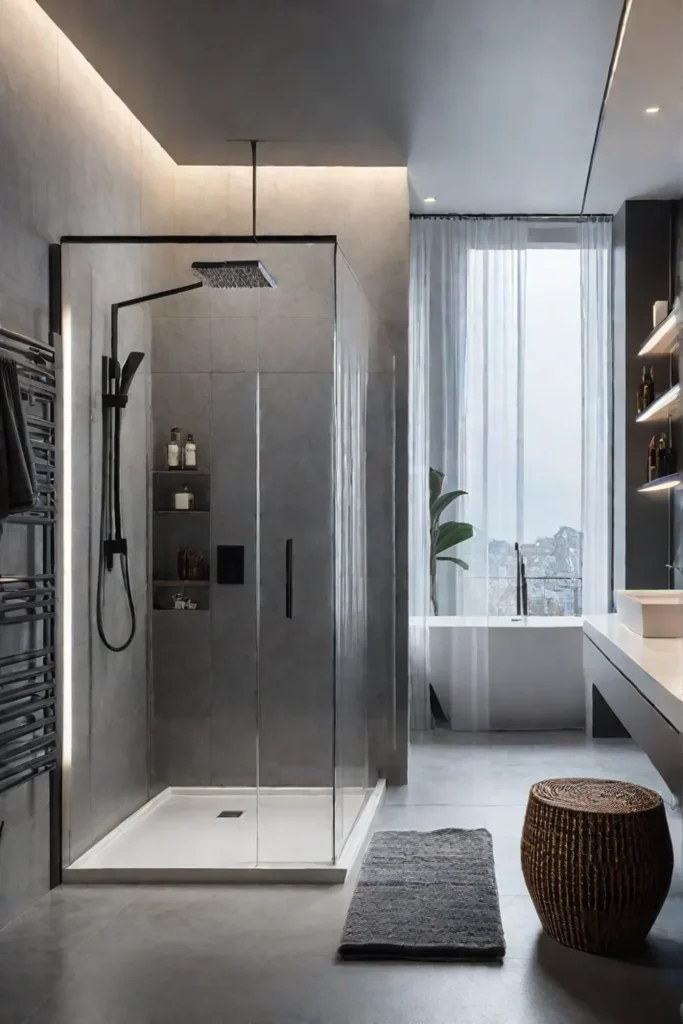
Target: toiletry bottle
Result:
[183, 501]
[662, 462]
[640, 397]
[183, 563]
[647, 388]
[651, 395]
[652, 460]
[189, 453]
[173, 450]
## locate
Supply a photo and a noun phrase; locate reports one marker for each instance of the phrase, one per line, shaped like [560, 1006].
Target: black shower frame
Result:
[55, 285]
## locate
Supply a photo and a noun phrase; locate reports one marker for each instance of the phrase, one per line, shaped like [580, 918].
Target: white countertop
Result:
[655, 667]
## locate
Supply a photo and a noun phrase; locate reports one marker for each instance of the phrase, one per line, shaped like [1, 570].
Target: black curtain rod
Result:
[566, 217]
[195, 239]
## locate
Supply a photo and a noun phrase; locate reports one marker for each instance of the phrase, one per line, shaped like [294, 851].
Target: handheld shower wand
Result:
[116, 382]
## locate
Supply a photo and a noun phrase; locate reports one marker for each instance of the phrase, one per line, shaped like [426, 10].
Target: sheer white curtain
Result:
[469, 369]
[421, 278]
[595, 244]
[476, 273]
[467, 340]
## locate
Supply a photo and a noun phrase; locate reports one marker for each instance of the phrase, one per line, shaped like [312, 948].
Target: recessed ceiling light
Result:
[652, 110]
[430, 199]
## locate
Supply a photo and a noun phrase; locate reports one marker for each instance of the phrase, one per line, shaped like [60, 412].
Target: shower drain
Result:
[231, 814]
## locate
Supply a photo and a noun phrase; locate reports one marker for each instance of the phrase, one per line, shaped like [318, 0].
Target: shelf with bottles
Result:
[181, 596]
[665, 337]
[181, 451]
[666, 407]
[176, 562]
[661, 484]
[662, 462]
[178, 611]
[182, 496]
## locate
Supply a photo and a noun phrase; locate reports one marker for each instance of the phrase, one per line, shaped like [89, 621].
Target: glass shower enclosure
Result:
[241, 704]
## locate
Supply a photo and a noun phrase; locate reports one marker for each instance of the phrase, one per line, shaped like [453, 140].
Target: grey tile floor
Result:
[266, 955]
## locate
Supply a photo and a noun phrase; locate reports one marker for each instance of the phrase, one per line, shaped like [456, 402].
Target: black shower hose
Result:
[110, 503]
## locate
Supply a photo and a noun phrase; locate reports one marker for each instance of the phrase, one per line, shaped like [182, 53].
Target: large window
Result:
[510, 398]
[516, 432]
[549, 528]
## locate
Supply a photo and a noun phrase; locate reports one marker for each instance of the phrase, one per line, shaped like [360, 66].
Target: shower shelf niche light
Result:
[181, 583]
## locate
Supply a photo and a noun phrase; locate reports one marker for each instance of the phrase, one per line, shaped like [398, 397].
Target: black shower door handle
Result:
[289, 574]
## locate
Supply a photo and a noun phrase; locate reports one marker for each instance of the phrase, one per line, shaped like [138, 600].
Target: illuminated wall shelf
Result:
[664, 483]
[667, 405]
[665, 337]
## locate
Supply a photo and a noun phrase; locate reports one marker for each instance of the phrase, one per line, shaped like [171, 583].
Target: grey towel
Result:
[18, 486]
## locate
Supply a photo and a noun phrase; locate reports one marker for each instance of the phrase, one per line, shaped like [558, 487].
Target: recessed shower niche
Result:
[249, 568]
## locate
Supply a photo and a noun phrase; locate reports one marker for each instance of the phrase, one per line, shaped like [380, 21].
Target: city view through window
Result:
[539, 503]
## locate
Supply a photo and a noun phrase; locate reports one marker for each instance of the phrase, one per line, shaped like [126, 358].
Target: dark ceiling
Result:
[492, 104]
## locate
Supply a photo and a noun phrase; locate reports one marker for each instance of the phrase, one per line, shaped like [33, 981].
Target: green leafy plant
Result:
[443, 536]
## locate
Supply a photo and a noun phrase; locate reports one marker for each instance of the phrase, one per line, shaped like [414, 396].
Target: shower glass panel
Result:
[249, 661]
[295, 340]
[355, 322]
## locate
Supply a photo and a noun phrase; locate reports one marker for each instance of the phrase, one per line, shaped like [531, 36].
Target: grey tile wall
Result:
[292, 698]
[292, 695]
[109, 778]
[75, 161]
[233, 607]
[296, 696]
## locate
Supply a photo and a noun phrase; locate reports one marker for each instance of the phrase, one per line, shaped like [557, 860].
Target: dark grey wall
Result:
[108, 777]
[642, 275]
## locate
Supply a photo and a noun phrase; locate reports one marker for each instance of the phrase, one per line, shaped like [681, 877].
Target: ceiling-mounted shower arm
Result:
[116, 306]
[253, 188]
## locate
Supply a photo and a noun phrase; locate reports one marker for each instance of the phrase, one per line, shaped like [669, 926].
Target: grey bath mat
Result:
[426, 896]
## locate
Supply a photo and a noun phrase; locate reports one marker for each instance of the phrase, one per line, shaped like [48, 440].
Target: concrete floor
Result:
[266, 955]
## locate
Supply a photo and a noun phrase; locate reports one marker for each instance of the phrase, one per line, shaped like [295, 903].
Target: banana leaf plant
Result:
[443, 536]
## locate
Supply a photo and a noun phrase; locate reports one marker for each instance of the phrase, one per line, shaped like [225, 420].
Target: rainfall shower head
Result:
[234, 274]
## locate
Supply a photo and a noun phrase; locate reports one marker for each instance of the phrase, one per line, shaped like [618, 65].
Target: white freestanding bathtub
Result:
[494, 673]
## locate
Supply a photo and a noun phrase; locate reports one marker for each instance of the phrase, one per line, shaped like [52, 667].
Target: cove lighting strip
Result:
[663, 402]
[66, 543]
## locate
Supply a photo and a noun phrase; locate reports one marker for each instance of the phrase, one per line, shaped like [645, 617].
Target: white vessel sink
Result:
[651, 613]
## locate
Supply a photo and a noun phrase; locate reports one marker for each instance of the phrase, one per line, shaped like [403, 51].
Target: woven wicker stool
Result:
[597, 860]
